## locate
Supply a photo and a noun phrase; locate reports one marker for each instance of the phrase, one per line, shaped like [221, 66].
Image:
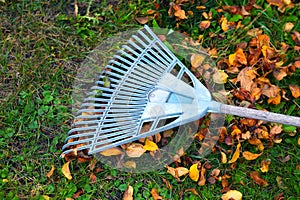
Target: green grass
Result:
[41, 47]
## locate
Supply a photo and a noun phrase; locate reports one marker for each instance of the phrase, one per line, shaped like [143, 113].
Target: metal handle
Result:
[258, 114]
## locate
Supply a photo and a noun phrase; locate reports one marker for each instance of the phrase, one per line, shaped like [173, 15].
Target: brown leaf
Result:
[297, 64]
[295, 90]
[66, 170]
[270, 90]
[197, 60]
[245, 77]
[275, 130]
[155, 194]
[204, 25]
[280, 196]
[111, 152]
[240, 56]
[177, 172]
[128, 194]
[129, 164]
[232, 195]
[202, 179]
[135, 150]
[78, 193]
[50, 173]
[265, 165]
[215, 172]
[250, 156]
[169, 186]
[255, 176]
[192, 190]
[236, 154]
[93, 178]
[280, 73]
[142, 20]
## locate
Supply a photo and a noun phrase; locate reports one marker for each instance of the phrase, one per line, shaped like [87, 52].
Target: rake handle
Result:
[258, 114]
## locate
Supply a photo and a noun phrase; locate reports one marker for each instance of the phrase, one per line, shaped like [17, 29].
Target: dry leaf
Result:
[135, 150]
[280, 73]
[129, 164]
[142, 20]
[93, 178]
[223, 157]
[265, 165]
[257, 142]
[78, 193]
[240, 56]
[224, 24]
[177, 172]
[66, 170]
[128, 194]
[167, 183]
[297, 64]
[255, 176]
[179, 12]
[270, 90]
[232, 195]
[236, 154]
[194, 172]
[192, 190]
[50, 173]
[111, 152]
[231, 59]
[46, 197]
[150, 146]
[204, 25]
[197, 60]
[155, 194]
[274, 100]
[250, 156]
[220, 77]
[245, 77]
[299, 141]
[275, 130]
[202, 179]
[295, 90]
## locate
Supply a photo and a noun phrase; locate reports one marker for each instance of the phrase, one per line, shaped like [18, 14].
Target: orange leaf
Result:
[295, 90]
[265, 165]
[275, 130]
[245, 77]
[274, 100]
[135, 150]
[155, 194]
[224, 24]
[194, 172]
[297, 64]
[179, 13]
[78, 193]
[111, 152]
[202, 179]
[236, 154]
[150, 146]
[232, 195]
[93, 178]
[257, 142]
[280, 73]
[240, 56]
[66, 170]
[255, 176]
[223, 157]
[50, 173]
[204, 24]
[128, 194]
[299, 141]
[250, 156]
[177, 172]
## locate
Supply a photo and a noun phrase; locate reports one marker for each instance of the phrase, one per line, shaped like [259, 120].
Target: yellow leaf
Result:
[265, 165]
[46, 197]
[223, 157]
[231, 58]
[50, 173]
[288, 27]
[236, 154]
[130, 164]
[66, 170]
[232, 195]
[250, 156]
[150, 146]
[128, 194]
[155, 194]
[111, 152]
[224, 24]
[194, 172]
[135, 150]
[299, 141]
[197, 60]
[220, 77]
[177, 172]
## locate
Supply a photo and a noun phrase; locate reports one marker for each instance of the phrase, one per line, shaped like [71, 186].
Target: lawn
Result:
[43, 44]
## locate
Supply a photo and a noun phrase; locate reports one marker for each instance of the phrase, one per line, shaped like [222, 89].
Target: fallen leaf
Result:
[224, 24]
[50, 173]
[135, 150]
[280, 182]
[223, 157]
[250, 156]
[231, 59]
[299, 141]
[215, 172]
[220, 77]
[240, 56]
[274, 100]
[150, 146]
[169, 186]
[295, 90]
[111, 152]
[275, 130]
[93, 178]
[202, 179]
[129, 164]
[232, 195]
[66, 170]
[245, 77]
[280, 73]
[78, 193]
[236, 154]
[280, 196]
[197, 60]
[128, 194]
[194, 172]
[265, 165]
[270, 90]
[192, 190]
[204, 25]
[46, 197]
[155, 194]
[142, 20]
[255, 176]
[179, 12]
[177, 172]
[257, 142]
[297, 64]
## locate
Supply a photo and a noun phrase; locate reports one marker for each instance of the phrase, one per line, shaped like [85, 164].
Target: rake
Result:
[138, 86]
